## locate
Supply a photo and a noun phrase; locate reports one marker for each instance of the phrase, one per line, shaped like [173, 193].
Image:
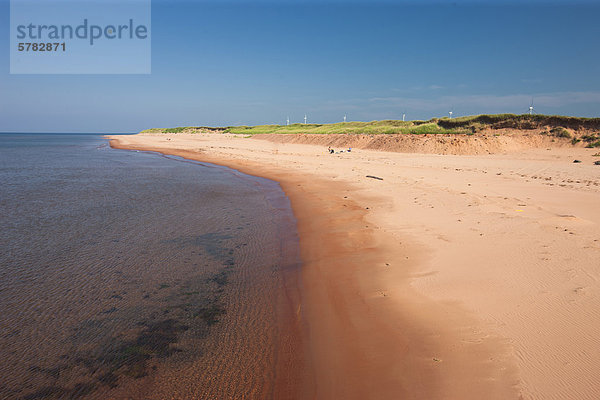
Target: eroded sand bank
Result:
[455, 277]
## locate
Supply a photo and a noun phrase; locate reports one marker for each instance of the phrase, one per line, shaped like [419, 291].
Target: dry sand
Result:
[454, 277]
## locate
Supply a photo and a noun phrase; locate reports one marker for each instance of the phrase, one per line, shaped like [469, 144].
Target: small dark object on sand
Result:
[374, 177]
[596, 162]
[576, 161]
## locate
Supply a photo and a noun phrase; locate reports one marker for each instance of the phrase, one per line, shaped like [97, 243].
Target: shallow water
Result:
[127, 274]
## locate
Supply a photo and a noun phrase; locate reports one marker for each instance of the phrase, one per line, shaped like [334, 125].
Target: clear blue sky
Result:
[216, 63]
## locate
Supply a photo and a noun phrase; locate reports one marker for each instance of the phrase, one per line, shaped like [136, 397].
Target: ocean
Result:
[128, 274]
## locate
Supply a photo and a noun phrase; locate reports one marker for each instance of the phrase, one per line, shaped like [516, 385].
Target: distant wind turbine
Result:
[531, 107]
[344, 117]
[288, 120]
[403, 116]
[450, 114]
[304, 119]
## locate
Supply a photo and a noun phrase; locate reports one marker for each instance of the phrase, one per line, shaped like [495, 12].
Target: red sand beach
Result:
[453, 277]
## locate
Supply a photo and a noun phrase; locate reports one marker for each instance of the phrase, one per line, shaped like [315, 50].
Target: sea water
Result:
[128, 274]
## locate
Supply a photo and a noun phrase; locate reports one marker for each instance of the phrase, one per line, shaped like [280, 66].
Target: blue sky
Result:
[217, 64]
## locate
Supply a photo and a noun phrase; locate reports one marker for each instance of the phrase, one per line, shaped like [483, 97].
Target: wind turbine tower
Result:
[344, 117]
[403, 116]
[304, 119]
[531, 107]
[287, 122]
[450, 114]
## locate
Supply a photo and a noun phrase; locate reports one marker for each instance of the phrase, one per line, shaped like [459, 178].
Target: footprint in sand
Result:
[580, 290]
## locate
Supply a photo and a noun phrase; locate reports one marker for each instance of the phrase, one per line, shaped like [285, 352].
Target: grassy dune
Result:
[373, 127]
[368, 128]
[554, 125]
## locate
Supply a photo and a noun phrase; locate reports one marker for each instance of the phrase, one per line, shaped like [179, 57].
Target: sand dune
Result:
[453, 277]
[492, 142]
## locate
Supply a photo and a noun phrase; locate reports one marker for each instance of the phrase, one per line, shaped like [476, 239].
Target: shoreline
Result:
[319, 347]
[359, 343]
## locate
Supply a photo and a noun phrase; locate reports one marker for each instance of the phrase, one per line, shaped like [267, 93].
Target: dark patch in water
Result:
[130, 358]
[124, 358]
[210, 314]
[220, 278]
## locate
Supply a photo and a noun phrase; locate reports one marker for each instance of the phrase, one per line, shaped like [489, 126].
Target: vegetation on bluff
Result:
[588, 129]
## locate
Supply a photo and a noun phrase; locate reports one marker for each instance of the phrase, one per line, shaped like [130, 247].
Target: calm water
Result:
[133, 275]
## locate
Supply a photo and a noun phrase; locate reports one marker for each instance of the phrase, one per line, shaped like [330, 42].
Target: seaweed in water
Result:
[210, 314]
[117, 359]
[130, 358]
[220, 278]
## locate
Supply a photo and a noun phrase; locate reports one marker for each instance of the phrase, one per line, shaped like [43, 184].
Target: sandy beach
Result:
[451, 277]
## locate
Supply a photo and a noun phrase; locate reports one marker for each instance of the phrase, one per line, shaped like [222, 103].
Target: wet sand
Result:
[455, 277]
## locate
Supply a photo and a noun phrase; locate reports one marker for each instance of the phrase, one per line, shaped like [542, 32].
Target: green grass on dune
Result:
[555, 124]
[186, 129]
[366, 128]
[465, 125]
[522, 121]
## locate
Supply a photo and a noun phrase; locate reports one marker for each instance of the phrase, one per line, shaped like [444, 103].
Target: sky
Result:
[248, 63]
